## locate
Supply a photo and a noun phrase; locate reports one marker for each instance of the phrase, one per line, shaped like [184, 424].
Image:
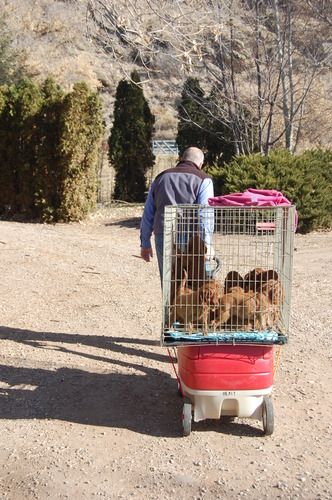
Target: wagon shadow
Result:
[236, 428]
[141, 403]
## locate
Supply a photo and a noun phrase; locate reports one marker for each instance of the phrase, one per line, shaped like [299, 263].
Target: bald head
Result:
[193, 154]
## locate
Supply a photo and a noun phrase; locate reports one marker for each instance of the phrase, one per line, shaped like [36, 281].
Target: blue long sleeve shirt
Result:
[152, 220]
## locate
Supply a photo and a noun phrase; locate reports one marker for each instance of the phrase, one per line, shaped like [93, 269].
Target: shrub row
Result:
[305, 179]
[49, 143]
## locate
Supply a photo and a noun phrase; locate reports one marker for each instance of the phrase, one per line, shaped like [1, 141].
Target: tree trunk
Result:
[284, 77]
[258, 75]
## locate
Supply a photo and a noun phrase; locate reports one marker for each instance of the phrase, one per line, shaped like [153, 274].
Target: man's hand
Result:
[146, 254]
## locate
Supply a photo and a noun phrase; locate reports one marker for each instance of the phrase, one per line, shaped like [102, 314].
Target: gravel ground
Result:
[89, 405]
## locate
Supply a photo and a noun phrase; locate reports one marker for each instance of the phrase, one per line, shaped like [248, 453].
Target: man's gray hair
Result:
[193, 154]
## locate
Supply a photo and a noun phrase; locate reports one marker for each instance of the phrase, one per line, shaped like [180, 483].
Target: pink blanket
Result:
[252, 197]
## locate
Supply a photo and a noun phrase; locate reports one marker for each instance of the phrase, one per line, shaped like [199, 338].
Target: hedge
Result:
[48, 151]
[305, 179]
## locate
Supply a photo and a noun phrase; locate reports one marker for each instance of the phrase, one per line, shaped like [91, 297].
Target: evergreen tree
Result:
[219, 143]
[201, 125]
[81, 133]
[192, 116]
[2, 97]
[130, 142]
[7, 191]
[48, 150]
[49, 175]
[205, 122]
[220, 146]
[17, 147]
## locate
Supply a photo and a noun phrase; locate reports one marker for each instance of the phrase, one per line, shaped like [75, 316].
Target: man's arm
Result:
[147, 227]
[205, 192]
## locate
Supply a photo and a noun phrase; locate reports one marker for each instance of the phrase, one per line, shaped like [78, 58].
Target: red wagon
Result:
[226, 305]
[226, 381]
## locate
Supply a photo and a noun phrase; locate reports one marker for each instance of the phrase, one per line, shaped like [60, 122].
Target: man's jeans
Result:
[159, 243]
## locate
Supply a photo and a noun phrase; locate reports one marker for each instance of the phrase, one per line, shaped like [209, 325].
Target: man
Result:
[184, 184]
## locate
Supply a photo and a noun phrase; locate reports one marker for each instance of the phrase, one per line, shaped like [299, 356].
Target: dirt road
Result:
[89, 404]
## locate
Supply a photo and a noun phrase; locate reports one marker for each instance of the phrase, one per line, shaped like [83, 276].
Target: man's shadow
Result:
[144, 403]
[122, 345]
[141, 398]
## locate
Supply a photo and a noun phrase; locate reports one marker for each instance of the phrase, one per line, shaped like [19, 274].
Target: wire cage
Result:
[227, 274]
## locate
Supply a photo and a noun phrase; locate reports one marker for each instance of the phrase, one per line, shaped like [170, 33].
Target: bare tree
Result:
[290, 49]
[322, 9]
[261, 57]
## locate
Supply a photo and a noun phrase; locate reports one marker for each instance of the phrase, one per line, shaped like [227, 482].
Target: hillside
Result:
[53, 35]
[59, 38]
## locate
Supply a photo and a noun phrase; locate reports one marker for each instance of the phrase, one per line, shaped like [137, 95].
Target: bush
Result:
[80, 137]
[306, 180]
[49, 175]
[48, 151]
[17, 147]
[313, 195]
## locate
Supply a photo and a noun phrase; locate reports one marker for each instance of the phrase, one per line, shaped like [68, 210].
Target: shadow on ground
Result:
[133, 222]
[145, 404]
[110, 343]
[144, 401]
[235, 428]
